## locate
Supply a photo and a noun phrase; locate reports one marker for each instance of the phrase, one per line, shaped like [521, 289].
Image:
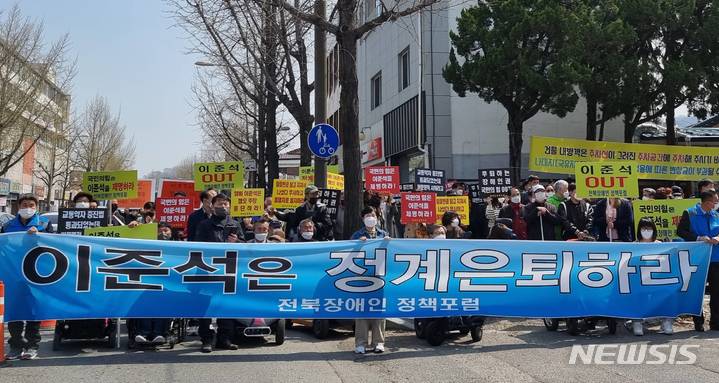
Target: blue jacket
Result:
[696, 223]
[42, 224]
[363, 233]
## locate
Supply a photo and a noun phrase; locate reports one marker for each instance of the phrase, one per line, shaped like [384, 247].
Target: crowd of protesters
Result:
[531, 211]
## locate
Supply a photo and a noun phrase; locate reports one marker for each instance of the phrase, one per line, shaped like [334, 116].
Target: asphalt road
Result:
[511, 351]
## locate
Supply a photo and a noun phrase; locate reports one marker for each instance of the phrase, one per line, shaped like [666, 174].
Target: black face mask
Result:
[220, 212]
[312, 201]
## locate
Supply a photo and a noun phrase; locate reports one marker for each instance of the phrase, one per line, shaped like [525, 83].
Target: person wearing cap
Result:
[542, 218]
[648, 194]
[677, 192]
[311, 208]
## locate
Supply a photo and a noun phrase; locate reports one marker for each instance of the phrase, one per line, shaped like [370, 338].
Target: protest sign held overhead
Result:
[219, 175]
[110, 185]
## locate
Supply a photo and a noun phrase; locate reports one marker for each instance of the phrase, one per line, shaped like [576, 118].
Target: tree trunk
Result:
[591, 118]
[628, 129]
[349, 123]
[261, 160]
[306, 123]
[671, 128]
[271, 102]
[515, 124]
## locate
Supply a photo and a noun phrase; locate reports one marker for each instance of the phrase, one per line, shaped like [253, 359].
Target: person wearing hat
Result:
[648, 194]
[677, 192]
[311, 208]
[542, 218]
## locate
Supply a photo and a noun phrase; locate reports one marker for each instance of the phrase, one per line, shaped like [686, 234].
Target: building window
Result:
[403, 72]
[376, 89]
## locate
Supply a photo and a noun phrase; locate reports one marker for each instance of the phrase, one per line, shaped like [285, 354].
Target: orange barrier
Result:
[2, 323]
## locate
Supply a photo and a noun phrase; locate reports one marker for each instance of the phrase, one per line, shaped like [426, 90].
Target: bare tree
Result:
[103, 144]
[347, 31]
[260, 51]
[54, 160]
[34, 81]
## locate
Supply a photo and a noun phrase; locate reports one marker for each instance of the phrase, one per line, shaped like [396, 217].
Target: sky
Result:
[129, 52]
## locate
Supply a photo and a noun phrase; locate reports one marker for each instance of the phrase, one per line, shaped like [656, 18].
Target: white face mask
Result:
[82, 205]
[516, 199]
[307, 235]
[550, 194]
[260, 237]
[27, 212]
[455, 222]
[540, 197]
[501, 200]
[370, 221]
[440, 236]
[645, 198]
[647, 233]
[566, 194]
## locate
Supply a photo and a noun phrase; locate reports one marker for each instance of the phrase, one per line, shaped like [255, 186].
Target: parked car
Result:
[53, 220]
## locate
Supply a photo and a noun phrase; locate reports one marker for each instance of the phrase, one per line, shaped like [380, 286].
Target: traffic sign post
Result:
[323, 141]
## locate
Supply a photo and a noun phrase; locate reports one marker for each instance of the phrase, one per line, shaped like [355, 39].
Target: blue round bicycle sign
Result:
[323, 140]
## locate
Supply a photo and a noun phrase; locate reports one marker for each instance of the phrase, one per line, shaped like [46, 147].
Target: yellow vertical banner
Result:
[607, 179]
[457, 204]
[665, 213]
[247, 202]
[288, 194]
[219, 175]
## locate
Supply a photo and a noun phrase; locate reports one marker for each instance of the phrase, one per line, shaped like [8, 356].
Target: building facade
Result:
[410, 116]
[27, 175]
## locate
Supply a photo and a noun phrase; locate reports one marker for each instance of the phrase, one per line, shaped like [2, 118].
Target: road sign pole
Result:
[320, 90]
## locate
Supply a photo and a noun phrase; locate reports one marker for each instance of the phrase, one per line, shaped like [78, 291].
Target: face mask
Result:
[370, 221]
[540, 197]
[220, 212]
[501, 200]
[550, 194]
[27, 213]
[312, 201]
[645, 198]
[82, 205]
[440, 236]
[307, 235]
[566, 194]
[516, 199]
[455, 222]
[647, 234]
[460, 192]
[164, 237]
[260, 237]
[383, 205]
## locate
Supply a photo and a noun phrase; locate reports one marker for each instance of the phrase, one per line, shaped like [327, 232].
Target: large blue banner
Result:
[73, 277]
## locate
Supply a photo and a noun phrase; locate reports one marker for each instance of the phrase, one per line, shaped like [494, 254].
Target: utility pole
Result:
[320, 89]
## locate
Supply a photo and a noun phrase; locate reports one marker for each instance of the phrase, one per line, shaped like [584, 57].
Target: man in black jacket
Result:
[542, 218]
[201, 214]
[311, 208]
[577, 211]
[220, 227]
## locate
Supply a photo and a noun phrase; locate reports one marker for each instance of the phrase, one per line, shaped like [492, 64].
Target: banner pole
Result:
[3, 362]
[609, 232]
[541, 226]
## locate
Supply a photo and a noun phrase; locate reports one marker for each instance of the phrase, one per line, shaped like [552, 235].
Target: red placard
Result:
[382, 179]
[168, 188]
[174, 211]
[145, 193]
[418, 208]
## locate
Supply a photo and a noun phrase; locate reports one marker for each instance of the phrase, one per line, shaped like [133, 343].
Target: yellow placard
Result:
[110, 185]
[607, 180]
[146, 231]
[661, 162]
[665, 213]
[247, 202]
[457, 204]
[307, 174]
[219, 175]
[288, 194]
[335, 181]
